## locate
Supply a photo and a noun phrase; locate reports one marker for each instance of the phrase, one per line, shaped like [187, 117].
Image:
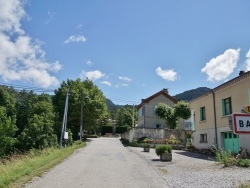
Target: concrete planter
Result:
[146, 149]
[166, 157]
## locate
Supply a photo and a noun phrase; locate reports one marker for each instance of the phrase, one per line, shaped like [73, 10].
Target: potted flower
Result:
[146, 147]
[164, 151]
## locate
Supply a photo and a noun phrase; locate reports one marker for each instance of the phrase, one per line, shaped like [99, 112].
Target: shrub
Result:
[121, 129]
[243, 162]
[224, 157]
[145, 145]
[160, 149]
[134, 143]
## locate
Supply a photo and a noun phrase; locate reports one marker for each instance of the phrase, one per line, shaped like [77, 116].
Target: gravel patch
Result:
[193, 170]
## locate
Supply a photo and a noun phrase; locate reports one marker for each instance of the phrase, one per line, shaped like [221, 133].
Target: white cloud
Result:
[92, 75]
[89, 63]
[124, 85]
[247, 62]
[124, 78]
[75, 38]
[21, 58]
[168, 74]
[51, 15]
[220, 67]
[106, 83]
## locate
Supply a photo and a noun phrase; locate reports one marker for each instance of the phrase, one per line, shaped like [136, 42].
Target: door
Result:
[231, 142]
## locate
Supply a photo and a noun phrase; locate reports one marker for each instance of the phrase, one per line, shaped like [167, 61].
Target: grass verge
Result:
[22, 168]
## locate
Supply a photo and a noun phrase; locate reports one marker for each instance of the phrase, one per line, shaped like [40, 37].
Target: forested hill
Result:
[192, 94]
[111, 105]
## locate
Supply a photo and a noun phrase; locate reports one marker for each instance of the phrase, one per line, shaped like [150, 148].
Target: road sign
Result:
[241, 123]
[247, 109]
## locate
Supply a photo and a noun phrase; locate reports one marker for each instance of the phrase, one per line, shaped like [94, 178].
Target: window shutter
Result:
[223, 107]
[200, 113]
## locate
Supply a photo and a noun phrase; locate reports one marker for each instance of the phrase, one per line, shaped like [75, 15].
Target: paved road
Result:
[104, 163]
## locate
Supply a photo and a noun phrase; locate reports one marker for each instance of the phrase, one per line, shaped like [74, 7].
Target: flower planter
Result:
[166, 157]
[146, 149]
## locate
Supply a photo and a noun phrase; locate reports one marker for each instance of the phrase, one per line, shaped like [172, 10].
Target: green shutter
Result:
[223, 107]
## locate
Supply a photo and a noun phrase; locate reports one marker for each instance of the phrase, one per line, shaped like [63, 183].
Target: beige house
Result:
[211, 111]
[147, 117]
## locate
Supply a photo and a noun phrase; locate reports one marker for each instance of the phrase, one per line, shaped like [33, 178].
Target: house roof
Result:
[162, 92]
[233, 81]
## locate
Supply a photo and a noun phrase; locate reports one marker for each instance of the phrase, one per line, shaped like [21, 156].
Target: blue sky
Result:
[130, 49]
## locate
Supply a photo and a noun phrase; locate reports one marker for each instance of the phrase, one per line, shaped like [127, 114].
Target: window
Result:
[154, 110]
[142, 111]
[158, 126]
[203, 138]
[202, 113]
[226, 106]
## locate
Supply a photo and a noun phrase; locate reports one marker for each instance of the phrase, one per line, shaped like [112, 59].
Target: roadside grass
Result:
[247, 185]
[22, 168]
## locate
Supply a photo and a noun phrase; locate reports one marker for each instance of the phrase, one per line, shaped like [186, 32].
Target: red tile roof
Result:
[162, 92]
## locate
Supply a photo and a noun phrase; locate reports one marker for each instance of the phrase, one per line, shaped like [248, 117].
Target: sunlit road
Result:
[104, 162]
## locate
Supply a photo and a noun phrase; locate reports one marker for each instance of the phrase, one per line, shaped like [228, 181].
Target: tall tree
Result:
[94, 105]
[7, 131]
[39, 132]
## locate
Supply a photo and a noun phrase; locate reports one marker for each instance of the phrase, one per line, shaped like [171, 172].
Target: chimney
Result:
[165, 90]
[142, 101]
[241, 72]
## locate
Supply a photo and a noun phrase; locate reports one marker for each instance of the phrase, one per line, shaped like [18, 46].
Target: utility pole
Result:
[64, 123]
[133, 118]
[81, 121]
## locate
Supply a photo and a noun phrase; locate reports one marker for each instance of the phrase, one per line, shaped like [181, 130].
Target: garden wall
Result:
[152, 133]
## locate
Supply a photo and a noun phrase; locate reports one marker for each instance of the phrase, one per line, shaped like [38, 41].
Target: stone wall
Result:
[138, 132]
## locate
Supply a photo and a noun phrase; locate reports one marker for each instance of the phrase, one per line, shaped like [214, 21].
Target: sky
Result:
[130, 49]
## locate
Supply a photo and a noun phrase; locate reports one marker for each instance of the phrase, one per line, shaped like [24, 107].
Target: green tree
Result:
[94, 105]
[39, 132]
[25, 101]
[7, 131]
[181, 110]
[7, 100]
[168, 113]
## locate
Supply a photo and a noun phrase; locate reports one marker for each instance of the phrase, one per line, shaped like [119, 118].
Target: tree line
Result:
[30, 120]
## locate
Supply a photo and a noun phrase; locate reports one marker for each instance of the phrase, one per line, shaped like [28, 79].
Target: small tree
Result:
[182, 110]
[166, 112]
[171, 115]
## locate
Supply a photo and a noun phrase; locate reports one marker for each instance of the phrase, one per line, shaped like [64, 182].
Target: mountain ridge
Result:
[185, 96]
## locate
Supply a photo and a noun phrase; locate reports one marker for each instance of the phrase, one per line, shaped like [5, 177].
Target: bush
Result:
[224, 157]
[145, 145]
[121, 129]
[134, 143]
[243, 162]
[160, 149]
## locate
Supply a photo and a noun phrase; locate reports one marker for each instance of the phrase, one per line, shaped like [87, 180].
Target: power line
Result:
[27, 88]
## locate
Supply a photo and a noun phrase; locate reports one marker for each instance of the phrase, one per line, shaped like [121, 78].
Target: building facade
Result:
[211, 111]
[147, 117]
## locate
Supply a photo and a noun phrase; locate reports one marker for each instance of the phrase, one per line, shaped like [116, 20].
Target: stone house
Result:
[147, 117]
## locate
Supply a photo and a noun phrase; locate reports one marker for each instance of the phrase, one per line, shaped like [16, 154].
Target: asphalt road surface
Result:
[103, 163]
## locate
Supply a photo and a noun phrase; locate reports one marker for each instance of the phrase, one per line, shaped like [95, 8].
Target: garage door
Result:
[231, 142]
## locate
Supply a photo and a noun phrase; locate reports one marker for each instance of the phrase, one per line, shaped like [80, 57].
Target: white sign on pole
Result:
[66, 135]
[241, 123]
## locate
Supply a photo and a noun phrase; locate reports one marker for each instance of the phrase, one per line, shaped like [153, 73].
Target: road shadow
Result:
[196, 155]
